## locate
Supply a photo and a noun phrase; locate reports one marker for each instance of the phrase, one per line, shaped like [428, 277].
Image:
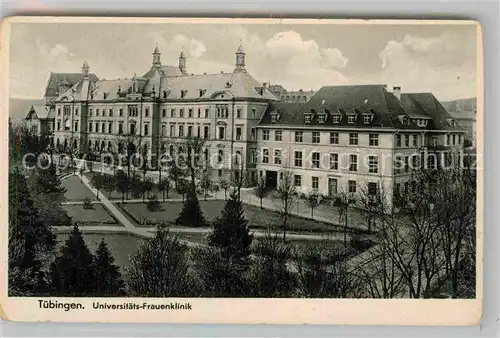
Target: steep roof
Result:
[164, 71]
[240, 84]
[55, 79]
[427, 104]
[41, 111]
[346, 99]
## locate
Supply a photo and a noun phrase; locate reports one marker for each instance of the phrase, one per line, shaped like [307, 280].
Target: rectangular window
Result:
[190, 112]
[415, 140]
[97, 112]
[321, 118]
[163, 112]
[238, 113]
[454, 139]
[110, 112]
[190, 131]
[315, 137]
[199, 112]
[265, 135]
[373, 164]
[120, 128]
[238, 134]
[253, 157]
[132, 129]
[206, 112]
[353, 138]
[299, 136]
[332, 186]
[254, 113]
[407, 140]
[351, 119]
[172, 130]
[315, 182]
[353, 162]
[351, 186]
[315, 160]
[103, 127]
[97, 127]
[278, 136]
[206, 133]
[181, 112]
[222, 132]
[334, 161]
[265, 155]
[367, 119]
[59, 125]
[91, 111]
[297, 180]
[76, 112]
[76, 125]
[414, 162]
[146, 129]
[277, 156]
[121, 111]
[336, 119]
[298, 159]
[90, 126]
[198, 132]
[59, 111]
[334, 138]
[372, 188]
[373, 139]
[253, 134]
[398, 140]
[172, 112]
[407, 164]
[181, 131]
[110, 127]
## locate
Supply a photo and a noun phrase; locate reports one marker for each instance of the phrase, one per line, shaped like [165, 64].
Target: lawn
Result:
[121, 245]
[96, 216]
[76, 190]
[257, 218]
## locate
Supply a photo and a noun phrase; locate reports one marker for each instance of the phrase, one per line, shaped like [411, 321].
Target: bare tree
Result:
[260, 190]
[312, 199]
[285, 195]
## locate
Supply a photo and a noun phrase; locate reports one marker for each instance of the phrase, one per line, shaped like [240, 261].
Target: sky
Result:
[441, 59]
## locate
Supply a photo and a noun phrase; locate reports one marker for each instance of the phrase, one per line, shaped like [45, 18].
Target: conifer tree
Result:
[160, 268]
[73, 271]
[230, 231]
[108, 279]
[191, 214]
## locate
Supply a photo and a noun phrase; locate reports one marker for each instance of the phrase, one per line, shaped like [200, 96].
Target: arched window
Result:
[220, 156]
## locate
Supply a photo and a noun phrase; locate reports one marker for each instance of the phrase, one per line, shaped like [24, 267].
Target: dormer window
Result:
[351, 119]
[336, 118]
[322, 118]
[367, 119]
[275, 116]
[451, 122]
[183, 93]
[105, 95]
[165, 93]
[202, 92]
[308, 117]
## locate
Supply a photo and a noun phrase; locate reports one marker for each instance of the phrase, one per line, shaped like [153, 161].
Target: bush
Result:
[153, 204]
[87, 204]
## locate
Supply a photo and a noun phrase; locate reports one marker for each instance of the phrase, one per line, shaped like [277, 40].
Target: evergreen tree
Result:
[230, 231]
[48, 194]
[108, 279]
[73, 271]
[191, 214]
[160, 268]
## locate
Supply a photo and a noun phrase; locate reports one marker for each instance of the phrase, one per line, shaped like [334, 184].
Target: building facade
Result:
[299, 96]
[340, 139]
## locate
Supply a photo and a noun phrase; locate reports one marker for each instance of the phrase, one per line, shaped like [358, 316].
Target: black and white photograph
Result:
[242, 160]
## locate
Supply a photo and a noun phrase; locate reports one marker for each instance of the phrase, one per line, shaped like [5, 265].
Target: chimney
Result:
[397, 92]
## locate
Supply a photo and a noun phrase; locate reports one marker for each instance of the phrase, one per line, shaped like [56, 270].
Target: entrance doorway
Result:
[271, 179]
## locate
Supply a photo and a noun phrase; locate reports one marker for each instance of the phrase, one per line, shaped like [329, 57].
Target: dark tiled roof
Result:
[164, 71]
[427, 104]
[57, 78]
[346, 99]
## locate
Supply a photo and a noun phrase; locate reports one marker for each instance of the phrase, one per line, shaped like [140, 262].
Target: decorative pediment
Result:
[221, 123]
[404, 119]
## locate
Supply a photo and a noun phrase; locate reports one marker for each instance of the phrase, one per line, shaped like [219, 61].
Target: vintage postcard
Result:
[208, 170]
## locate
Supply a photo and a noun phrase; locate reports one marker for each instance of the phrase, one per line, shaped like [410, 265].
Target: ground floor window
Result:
[315, 183]
[332, 186]
[372, 188]
[351, 186]
[297, 180]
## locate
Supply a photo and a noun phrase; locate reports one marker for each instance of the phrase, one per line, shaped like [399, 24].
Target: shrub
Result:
[153, 204]
[87, 204]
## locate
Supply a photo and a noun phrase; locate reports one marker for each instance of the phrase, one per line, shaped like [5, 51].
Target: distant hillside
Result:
[18, 108]
[461, 109]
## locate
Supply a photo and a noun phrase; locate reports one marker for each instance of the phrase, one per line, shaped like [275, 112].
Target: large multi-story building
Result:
[157, 111]
[284, 95]
[342, 139]
[348, 138]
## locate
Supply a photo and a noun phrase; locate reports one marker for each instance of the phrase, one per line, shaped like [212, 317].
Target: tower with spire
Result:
[156, 58]
[182, 62]
[240, 59]
[85, 70]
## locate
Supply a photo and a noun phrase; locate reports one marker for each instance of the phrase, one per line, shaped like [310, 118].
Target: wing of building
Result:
[336, 139]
